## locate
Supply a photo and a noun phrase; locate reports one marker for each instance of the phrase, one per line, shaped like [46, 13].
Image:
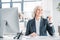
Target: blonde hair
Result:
[34, 12]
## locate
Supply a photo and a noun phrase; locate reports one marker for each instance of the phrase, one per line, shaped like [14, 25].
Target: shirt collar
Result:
[38, 20]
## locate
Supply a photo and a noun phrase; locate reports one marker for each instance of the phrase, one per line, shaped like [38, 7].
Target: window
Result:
[16, 0]
[5, 0]
[32, 0]
[29, 0]
[28, 8]
[17, 5]
[7, 5]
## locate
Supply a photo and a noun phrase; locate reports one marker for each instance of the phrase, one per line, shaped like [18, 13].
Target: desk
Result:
[31, 38]
[40, 38]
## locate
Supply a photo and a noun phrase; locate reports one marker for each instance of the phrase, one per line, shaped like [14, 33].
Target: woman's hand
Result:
[50, 19]
[33, 34]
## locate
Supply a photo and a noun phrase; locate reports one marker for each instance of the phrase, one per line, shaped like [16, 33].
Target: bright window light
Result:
[18, 5]
[5, 0]
[16, 0]
[7, 5]
[29, 8]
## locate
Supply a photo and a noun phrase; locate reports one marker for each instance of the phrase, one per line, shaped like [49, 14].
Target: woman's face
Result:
[39, 12]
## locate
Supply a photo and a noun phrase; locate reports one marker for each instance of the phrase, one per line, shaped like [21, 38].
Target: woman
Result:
[39, 26]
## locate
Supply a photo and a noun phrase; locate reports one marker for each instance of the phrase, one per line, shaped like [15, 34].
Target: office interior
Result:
[25, 11]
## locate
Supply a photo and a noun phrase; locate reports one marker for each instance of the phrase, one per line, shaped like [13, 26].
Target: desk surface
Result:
[41, 38]
[32, 38]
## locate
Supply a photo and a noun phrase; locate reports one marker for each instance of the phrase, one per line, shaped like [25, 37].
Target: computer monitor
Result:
[9, 21]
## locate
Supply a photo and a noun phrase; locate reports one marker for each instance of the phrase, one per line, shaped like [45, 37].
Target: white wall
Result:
[56, 15]
[47, 7]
